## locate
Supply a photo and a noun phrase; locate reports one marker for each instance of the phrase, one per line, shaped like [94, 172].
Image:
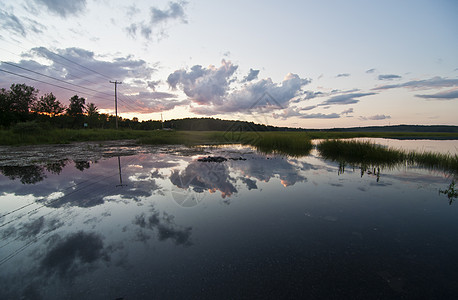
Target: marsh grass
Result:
[369, 155]
[268, 142]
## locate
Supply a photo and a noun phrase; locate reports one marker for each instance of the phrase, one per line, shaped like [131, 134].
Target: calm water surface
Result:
[159, 224]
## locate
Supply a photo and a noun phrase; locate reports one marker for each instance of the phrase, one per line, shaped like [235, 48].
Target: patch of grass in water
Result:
[368, 154]
[268, 142]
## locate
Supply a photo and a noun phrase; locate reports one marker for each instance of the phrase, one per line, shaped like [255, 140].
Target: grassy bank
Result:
[291, 143]
[367, 154]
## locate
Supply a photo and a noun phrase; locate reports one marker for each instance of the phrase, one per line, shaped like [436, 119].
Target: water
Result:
[157, 223]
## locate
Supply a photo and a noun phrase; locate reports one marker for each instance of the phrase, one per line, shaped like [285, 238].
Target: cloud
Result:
[89, 74]
[435, 82]
[295, 112]
[159, 101]
[159, 19]
[370, 71]
[343, 75]
[447, 95]
[320, 116]
[347, 111]
[165, 228]
[153, 84]
[64, 8]
[253, 74]
[11, 22]
[345, 99]
[175, 11]
[375, 118]
[212, 90]
[200, 176]
[204, 85]
[388, 77]
[73, 255]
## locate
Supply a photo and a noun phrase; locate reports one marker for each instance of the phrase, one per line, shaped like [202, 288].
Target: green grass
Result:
[290, 143]
[369, 155]
[395, 135]
[65, 136]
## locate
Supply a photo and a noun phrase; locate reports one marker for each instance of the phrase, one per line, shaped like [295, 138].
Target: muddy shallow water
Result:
[110, 221]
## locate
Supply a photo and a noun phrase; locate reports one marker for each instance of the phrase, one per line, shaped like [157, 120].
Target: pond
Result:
[160, 222]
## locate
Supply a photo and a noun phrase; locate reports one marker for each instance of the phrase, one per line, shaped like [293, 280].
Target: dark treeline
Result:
[212, 124]
[21, 108]
[20, 105]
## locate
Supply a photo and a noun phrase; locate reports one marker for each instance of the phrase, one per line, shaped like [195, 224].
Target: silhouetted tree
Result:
[27, 174]
[22, 97]
[16, 103]
[76, 107]
[92, 114]
[49, 104]
[76, 110]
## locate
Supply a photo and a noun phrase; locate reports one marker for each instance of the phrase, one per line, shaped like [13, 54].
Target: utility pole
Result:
[116, 99]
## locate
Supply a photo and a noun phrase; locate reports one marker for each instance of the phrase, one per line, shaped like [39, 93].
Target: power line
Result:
[57, 79]
[116, 99]
[52, 84]
[81, 66]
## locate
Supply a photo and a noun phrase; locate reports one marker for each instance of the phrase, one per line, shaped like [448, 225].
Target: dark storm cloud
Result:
[435, 82]
[388, 77]
[345, 99]
[252, 75]
[448, 95]
[63, 8]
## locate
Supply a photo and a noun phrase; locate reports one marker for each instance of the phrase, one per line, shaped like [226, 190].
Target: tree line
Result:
[21, 104]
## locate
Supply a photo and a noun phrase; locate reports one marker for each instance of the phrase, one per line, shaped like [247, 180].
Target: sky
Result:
[309, 64]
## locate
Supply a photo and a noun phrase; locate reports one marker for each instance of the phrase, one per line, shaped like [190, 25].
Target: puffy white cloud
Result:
[204, 86]
[213, 91]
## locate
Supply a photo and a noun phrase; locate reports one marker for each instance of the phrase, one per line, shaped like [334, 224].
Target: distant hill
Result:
[206, 124]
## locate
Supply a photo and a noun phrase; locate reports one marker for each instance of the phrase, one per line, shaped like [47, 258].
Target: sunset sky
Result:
[310, 64]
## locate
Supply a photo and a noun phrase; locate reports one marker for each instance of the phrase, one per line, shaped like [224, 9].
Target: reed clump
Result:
[370, 154]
